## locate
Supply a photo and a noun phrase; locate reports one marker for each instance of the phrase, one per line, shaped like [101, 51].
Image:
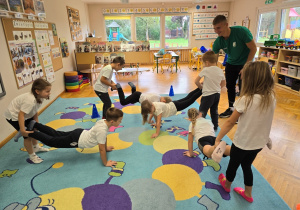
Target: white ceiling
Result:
[154, 1]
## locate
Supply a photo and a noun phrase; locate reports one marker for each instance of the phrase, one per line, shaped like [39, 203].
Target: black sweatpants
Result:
[185, 102]
[54, 138]
[232, 73]
[104, 97]
[210, 102]
[133, 98]
[16, 125]
[244, 158]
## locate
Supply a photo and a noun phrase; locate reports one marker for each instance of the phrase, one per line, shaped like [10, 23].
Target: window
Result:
[266, 26]
[148, 29]
[118, 28]
[177, 31]
[290, 23]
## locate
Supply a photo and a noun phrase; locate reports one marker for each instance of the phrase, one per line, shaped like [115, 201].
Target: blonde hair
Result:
[193, 115]
[210, 56]
[145, 110]
[168, 99]
[257, 79]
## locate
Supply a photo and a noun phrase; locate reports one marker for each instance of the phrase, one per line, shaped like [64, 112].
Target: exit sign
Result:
[269, 1]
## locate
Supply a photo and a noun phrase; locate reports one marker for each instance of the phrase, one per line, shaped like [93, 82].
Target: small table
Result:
[90, 73]
[157, 56]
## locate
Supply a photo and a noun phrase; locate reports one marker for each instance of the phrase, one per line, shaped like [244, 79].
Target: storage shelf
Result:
[272, 59]
[287, 87]
[292, 63]
[288, 75]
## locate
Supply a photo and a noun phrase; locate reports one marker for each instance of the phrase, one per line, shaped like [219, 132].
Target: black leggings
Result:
[244, 158]
[106, 101]
[185, 102]
[54, 138]
[210, 102]
[232, 73]
[16, 125]
[132, 99]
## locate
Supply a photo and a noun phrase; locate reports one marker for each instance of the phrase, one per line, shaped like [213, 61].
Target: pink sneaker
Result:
[222, 180]
[241, 191]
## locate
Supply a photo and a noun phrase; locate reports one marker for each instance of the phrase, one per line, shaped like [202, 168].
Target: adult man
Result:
[238, 43]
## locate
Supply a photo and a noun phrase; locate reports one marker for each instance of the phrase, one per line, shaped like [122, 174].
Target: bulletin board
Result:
[34, 49]
[202, 24]
[74, 22]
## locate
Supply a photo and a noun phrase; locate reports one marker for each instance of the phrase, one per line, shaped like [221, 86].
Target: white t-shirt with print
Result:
[152, 97]
[96, 135]
[203, 127]
[213, 76]
[254, 125]
[25, 103]
[166, 109]
[107, 72]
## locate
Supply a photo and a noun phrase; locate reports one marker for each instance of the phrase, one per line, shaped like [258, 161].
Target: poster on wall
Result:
[74, 22]
[28, 6]
[25, 60]
[15, 6]
[64, 47]
[3, 5]
[39, 7]
[42, 41]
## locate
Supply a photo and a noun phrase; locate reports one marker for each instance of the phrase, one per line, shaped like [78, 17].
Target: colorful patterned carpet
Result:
[151, 173]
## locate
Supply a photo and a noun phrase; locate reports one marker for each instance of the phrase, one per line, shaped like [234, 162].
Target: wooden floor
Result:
[280, 166]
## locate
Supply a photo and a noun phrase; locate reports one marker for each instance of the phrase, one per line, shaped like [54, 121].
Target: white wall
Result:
[97, 18]
[56, 12]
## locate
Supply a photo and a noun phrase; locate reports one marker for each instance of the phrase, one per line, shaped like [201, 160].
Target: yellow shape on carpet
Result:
[132, 109]
[163, 144]
[58, 165]
[183, 180]
[56, 124]
[70, 197]
[112, 140]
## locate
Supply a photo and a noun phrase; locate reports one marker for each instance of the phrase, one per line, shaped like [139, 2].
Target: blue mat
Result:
[151, 173]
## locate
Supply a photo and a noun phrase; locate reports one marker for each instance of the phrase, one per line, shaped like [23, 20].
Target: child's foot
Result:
[133, 88]
[40, 149]
[31, 125]
[219, 151]
[222, 180]
[269, 144]
[118, 86]
[35, 159]
[241, 191]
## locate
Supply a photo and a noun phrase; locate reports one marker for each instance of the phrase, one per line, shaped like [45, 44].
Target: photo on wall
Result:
[74, 23]
[15, 6]
[39, 7]
[28, 7]
[3, 5]
[64, 47]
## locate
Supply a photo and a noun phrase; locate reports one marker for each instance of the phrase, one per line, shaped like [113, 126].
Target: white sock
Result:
[231, 108]
[32, 155]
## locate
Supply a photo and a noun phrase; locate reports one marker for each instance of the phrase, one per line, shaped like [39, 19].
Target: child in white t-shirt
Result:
[214, 81]
[23, 109]
[80, 138]
[104, 81]
[202, 131]
[254, 110]
[160, 109]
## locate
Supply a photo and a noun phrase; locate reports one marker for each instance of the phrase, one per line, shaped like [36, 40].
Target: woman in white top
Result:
[254, 110]
[23, 109]
[160, 109]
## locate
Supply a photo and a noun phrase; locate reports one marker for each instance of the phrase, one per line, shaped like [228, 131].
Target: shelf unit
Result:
[281, 62]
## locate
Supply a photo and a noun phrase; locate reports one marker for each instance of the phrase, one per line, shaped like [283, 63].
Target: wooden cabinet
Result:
[284, 60]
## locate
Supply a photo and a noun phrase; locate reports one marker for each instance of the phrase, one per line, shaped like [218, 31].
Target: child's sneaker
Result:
[35, 159]
[133, 88]
[31, 125]
[269, 144]
[218, 152]
[118, 86]
[40, 149]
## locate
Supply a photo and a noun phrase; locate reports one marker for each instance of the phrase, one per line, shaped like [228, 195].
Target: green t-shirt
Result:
[235, 46]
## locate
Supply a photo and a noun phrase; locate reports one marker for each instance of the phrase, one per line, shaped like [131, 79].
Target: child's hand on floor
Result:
[111, 163]
[109, 149]
[154, 135]
[187, 153]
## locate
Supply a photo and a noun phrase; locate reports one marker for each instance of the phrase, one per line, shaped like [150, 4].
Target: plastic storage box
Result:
[284, 70]
[292, 70]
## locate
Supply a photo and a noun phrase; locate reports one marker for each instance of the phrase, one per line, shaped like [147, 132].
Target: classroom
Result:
[68, 43]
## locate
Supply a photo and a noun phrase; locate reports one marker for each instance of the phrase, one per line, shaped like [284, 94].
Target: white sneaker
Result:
[269, 144]
[36, 159]
[218, 152]
[40, 149]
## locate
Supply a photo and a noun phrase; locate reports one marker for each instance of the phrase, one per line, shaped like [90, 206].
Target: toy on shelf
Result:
[272, 41]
